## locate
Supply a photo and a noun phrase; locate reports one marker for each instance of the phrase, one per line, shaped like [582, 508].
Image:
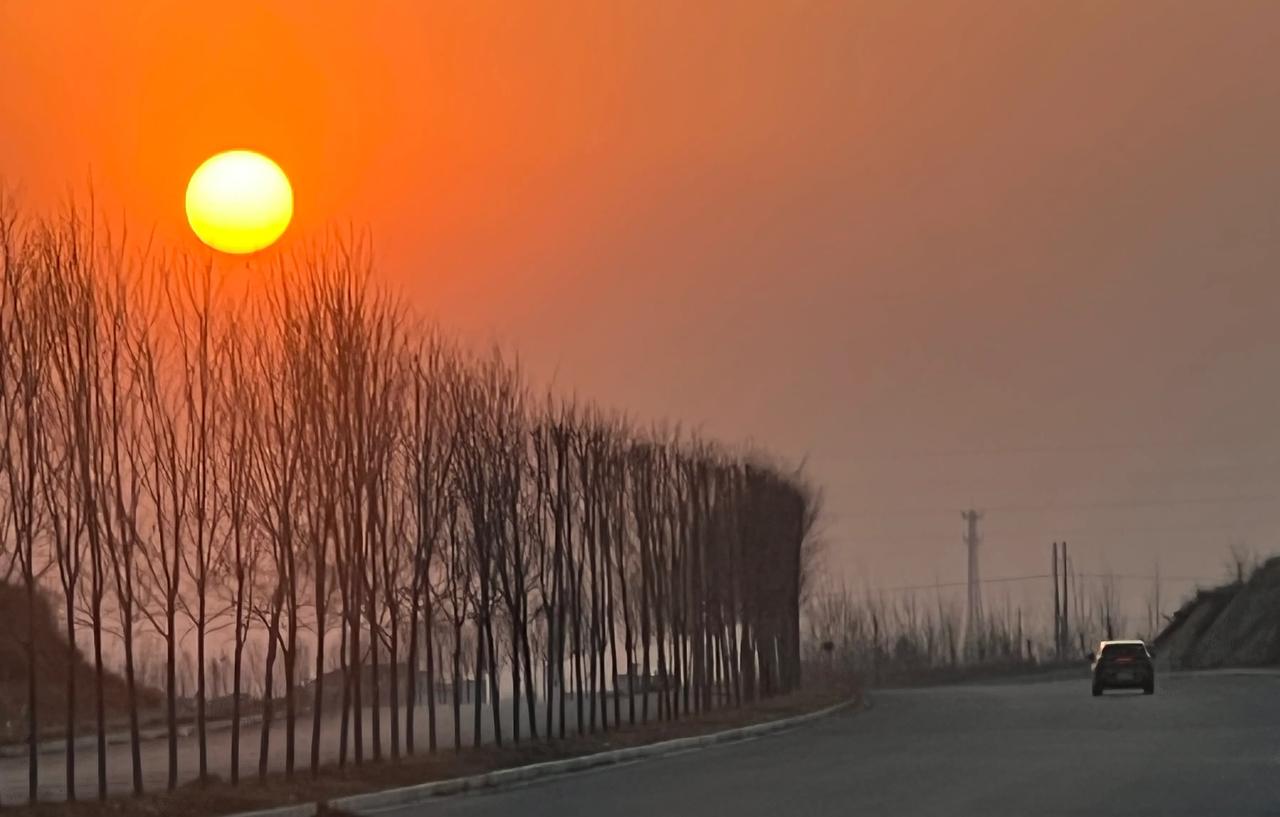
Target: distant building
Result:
[633, 680]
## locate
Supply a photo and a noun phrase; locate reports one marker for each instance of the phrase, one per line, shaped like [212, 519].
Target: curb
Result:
[373, 802]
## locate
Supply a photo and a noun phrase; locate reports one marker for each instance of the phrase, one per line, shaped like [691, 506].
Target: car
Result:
[1123, 665]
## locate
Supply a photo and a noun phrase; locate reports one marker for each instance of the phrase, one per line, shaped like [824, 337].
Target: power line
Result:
[965, 583]
[1154, 503]
[1139, 578]
[1008, 534]
[1065, 448]
[1041, 576]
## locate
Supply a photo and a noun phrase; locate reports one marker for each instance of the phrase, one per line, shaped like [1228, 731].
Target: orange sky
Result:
[1010, 254]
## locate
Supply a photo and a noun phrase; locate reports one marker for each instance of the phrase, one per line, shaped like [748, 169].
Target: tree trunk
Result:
[431, 679]
[317, 700]
[394, 691]
[613, 643]
[201, 735]
[375, 704]
[268, 692]
[354, 667]
[530, 691]
[33, 724]
[494, 704]
[131, 687]
[411, 675]
[343, 727]
[72, 657]
[457, 688]
[291, 678]
[577, 660]
[479, 689]
[515, 684]
[237, 665]
[171, 690]
[99, 693]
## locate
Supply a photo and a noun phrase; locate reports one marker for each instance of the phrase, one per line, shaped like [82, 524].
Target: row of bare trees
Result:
[303, 482]
[886, 636]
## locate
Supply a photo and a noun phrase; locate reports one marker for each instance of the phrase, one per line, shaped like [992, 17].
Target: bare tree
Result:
[240, 553]
[22, 384]
[430, 459]
[68, 502]
[276, 481]
[167, 479]
[201, 349]
[120, 427]
[309, 460]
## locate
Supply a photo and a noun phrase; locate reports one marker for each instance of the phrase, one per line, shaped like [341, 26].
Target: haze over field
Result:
[1020, 257]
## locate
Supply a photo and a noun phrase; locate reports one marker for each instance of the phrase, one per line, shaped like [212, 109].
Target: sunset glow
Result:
[239, 202]
[397, 393]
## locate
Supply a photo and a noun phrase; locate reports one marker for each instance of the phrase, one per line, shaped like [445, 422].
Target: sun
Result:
[239, 202]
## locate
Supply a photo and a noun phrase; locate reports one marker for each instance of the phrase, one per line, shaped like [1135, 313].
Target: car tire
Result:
[1149, 688]
[1097, 690]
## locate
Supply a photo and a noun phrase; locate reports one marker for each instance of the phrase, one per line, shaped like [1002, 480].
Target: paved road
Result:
[13, 770]
[1205, 744]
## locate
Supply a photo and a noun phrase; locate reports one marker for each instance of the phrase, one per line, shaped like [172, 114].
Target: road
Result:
[52, 774]
[1205, 744]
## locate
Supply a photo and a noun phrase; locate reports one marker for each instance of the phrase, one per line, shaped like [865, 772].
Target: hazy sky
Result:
[1020, 256]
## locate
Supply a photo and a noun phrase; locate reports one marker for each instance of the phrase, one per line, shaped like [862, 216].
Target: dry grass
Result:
[219, 797]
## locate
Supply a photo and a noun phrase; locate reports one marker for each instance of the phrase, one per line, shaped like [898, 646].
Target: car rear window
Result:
[1124, 651]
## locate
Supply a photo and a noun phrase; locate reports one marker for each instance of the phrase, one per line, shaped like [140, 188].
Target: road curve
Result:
[1205, 744]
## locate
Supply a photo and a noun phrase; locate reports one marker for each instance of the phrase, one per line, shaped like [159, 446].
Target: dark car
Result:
[1123, 665]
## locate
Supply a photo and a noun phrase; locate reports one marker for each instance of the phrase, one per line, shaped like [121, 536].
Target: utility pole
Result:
[1155, 630]
[1057, 608]
[973, 626]
[1066, 599]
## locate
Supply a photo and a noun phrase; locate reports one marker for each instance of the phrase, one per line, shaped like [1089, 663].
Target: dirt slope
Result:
[1236, 625]
[51, 669]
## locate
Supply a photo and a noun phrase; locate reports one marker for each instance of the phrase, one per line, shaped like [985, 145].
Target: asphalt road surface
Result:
[155, 770]
[1204, 744]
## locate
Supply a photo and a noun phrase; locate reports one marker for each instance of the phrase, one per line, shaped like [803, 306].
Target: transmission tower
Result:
[973, 627]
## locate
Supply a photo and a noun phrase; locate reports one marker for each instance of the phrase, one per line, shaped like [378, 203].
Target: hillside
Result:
[51, 668]
[1236, 625]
